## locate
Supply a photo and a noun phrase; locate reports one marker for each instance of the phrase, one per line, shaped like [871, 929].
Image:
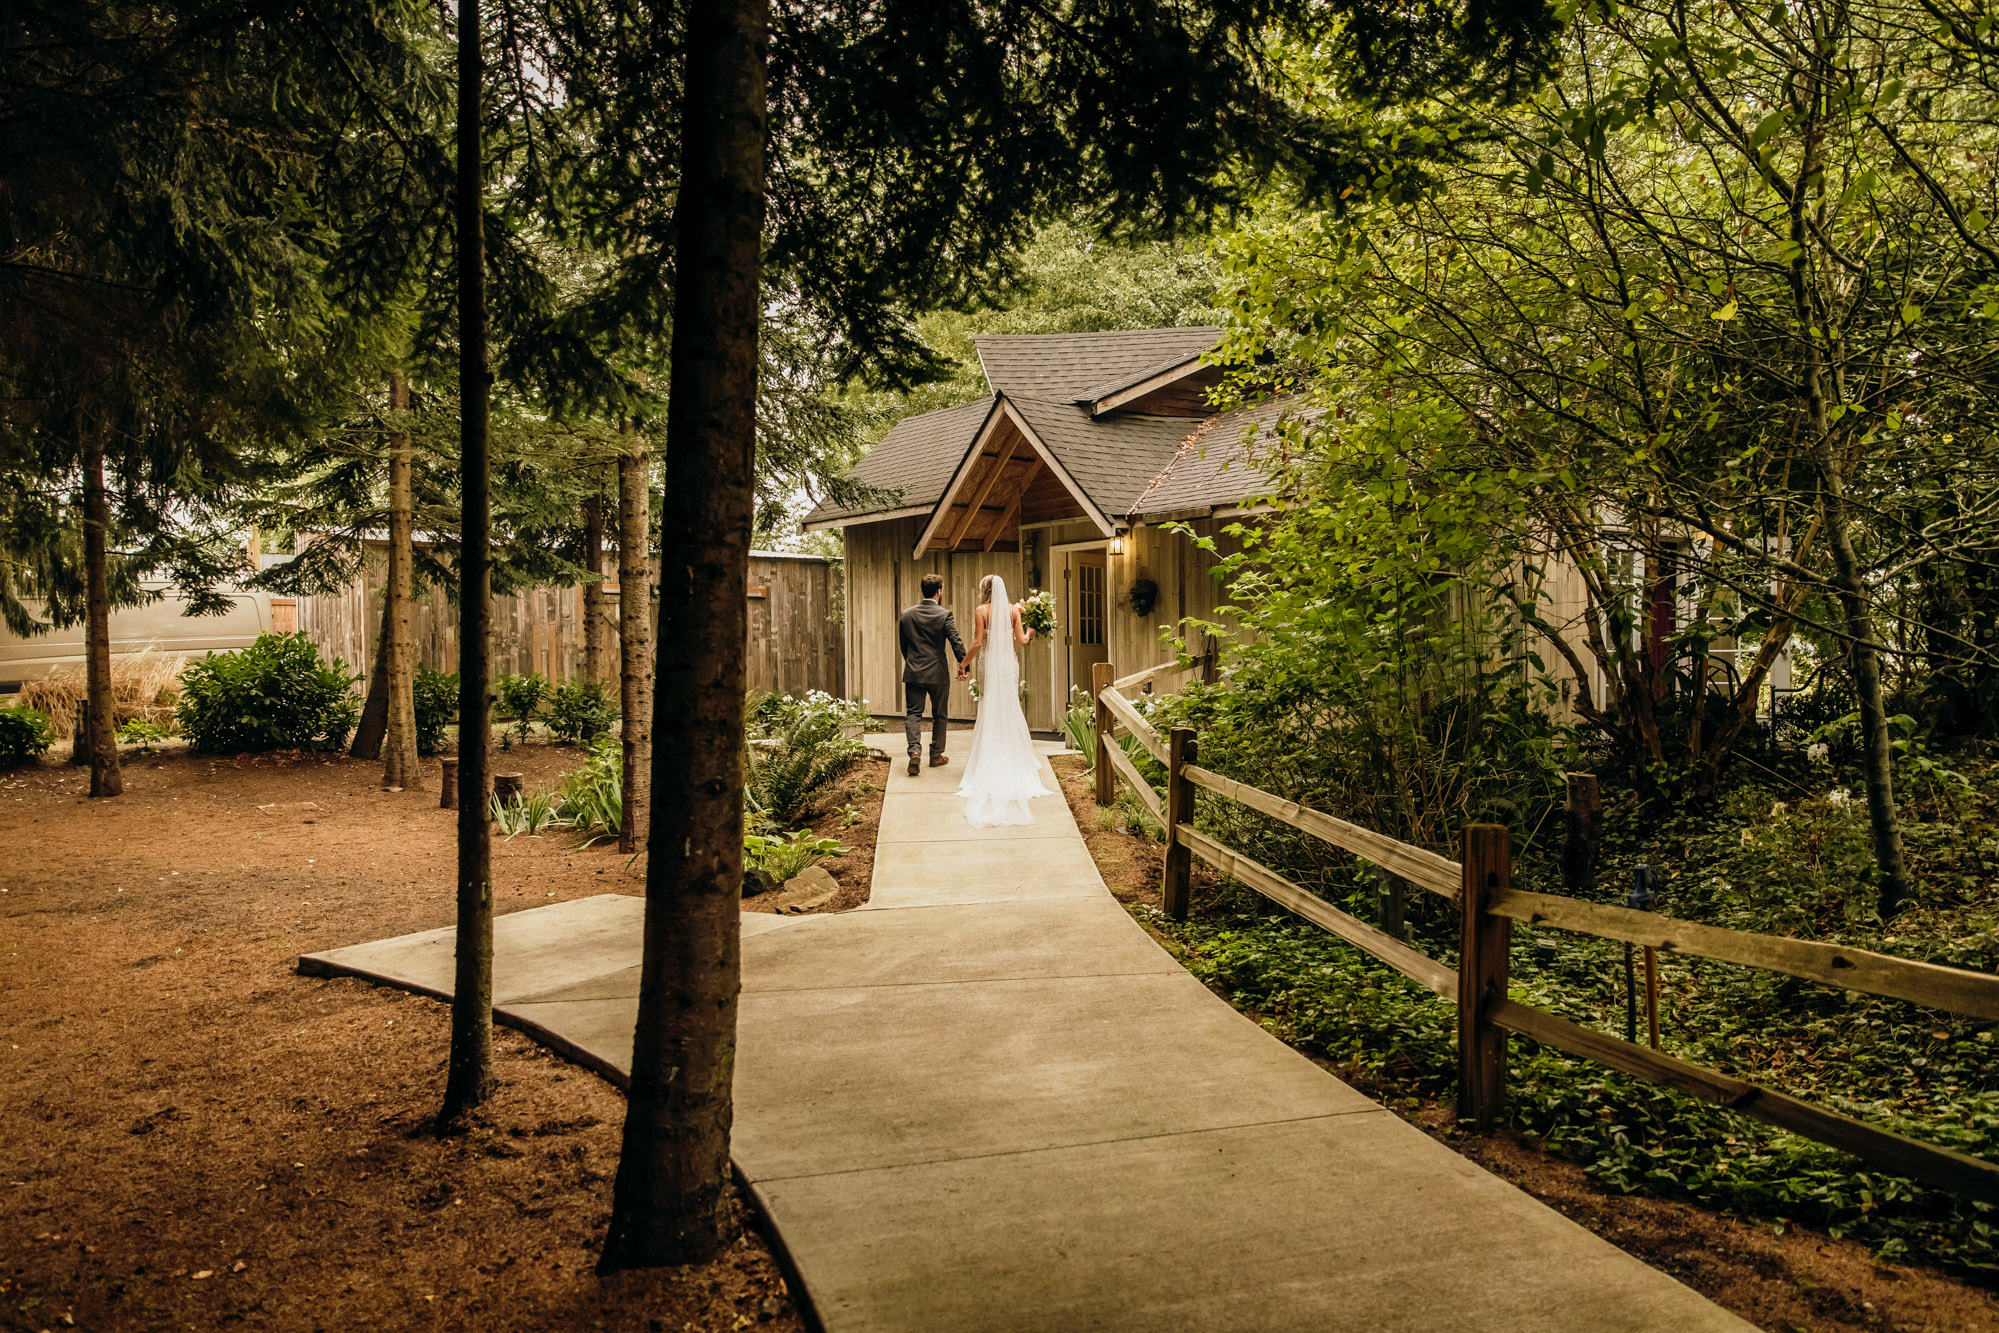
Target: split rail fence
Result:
[1479, 886]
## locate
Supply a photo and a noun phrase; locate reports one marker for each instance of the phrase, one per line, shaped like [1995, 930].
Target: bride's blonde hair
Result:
[986, 589]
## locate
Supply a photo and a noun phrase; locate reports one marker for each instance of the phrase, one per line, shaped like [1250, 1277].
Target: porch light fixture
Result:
[1117, 546]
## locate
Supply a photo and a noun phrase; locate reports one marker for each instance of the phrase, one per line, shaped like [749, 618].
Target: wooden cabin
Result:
[1058, 480]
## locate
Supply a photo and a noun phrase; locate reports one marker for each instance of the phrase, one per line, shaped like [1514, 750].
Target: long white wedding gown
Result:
[1002, 774]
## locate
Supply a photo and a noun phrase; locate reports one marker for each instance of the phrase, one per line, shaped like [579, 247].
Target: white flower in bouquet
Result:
[1038, 612]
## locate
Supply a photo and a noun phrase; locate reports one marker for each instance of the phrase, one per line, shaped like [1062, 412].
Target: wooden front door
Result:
[1086, 615]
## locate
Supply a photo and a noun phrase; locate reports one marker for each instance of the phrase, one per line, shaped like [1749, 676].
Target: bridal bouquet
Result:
[1038, 612]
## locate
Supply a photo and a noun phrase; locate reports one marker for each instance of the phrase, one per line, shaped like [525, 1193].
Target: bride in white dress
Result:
[1003, 773]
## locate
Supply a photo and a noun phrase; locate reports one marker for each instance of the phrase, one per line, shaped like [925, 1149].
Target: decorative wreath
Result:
[1144, 595]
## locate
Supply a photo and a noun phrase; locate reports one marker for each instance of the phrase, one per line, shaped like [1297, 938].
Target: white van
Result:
[158, 625]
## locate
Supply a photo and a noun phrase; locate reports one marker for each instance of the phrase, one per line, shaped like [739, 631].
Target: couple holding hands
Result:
[1002, 772]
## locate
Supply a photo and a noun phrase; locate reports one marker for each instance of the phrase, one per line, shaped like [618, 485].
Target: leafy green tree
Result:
[1714, 303]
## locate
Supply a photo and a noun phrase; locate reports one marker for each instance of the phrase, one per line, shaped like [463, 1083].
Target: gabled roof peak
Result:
[1074, 367]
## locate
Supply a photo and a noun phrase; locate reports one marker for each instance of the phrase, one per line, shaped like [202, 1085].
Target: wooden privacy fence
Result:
[1479, 885]
[795, 638]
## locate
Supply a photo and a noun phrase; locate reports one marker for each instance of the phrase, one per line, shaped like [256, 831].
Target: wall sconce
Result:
[1117, 546]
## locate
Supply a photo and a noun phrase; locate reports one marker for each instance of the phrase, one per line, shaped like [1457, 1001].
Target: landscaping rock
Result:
[758, 881]
[811, 888]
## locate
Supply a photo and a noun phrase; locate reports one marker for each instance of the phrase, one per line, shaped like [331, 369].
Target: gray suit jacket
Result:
[924, 630]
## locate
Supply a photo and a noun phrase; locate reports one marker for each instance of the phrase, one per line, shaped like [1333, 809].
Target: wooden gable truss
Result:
[1007, 478]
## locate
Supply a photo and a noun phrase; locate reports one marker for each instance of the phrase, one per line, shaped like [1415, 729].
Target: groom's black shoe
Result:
[915, 763]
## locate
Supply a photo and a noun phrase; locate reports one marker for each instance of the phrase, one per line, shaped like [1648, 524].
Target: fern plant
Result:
[799, 748]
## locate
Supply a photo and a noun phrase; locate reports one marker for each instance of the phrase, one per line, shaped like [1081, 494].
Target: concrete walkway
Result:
[988, 1101]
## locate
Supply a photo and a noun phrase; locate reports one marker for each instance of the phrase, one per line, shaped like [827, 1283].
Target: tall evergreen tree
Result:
[171, 258]
[917, 150]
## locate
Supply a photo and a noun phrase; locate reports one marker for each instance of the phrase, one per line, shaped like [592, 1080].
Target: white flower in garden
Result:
[1819, 752]
[1838, 796]
[1777, 810]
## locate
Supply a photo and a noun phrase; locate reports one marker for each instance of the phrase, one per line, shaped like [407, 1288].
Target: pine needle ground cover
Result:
[258, 1151]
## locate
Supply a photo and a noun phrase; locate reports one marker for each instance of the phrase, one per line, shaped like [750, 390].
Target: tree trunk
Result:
[595, 622]
[374, 725]
[400, 766]
[1848, 582]
[469, 1080]
[672, 1202]
[100, 728]
[635, 644]
[1876, 744]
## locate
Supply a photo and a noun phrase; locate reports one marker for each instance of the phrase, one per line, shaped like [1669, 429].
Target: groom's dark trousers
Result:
[926, 670]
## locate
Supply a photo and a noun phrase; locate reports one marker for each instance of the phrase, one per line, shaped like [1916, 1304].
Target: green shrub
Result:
[274, 695]
[580, 711]
[520, 700]
[798, 749]
[436, 707]
[24, 734]
[143, 732]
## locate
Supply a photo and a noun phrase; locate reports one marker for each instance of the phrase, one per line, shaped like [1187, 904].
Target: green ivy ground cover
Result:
[1773, 861]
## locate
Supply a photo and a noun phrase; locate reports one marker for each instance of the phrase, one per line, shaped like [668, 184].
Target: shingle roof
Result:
[1096, 393]
[914, 461]
[1226, 460]
[1112, 458]
[1069, 367]
[1130, 464]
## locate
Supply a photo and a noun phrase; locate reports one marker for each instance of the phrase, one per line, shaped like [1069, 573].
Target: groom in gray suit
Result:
[926, 673]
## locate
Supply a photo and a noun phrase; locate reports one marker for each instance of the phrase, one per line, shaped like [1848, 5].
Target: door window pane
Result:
[1090, 605]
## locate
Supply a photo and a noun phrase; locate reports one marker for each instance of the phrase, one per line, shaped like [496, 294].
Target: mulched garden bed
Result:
[197, 1137]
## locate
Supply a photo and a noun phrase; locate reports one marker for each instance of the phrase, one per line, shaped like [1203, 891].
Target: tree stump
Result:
[506, 786]
[447, 793]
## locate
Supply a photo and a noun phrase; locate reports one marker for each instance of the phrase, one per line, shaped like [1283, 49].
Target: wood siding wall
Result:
[795, 633]
[883, 577]
[1187, 587]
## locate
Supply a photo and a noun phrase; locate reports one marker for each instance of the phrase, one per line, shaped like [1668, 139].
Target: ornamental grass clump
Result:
[593, 795]
[144, 684]
[277, 694]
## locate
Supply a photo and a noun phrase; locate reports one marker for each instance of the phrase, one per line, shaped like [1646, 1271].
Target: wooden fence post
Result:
[1391, 902]
[1101, 676]
[1488, 869]
[1582, 840]
[1177, 884]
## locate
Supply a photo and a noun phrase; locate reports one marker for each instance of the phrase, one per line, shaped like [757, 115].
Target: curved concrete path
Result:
[989, 1101]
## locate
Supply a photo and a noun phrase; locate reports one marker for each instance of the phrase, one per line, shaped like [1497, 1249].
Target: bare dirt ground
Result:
[1798, 1282]
[193, 1136]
